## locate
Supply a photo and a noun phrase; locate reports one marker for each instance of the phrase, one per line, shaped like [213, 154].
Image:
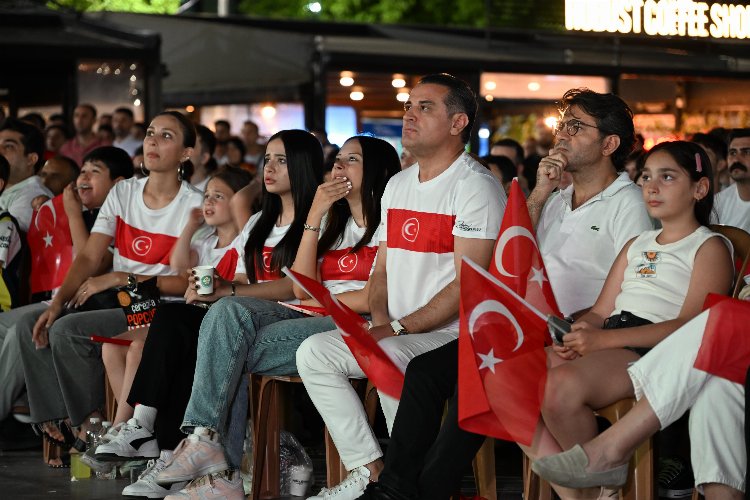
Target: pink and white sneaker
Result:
[197, 455]
[226, 485]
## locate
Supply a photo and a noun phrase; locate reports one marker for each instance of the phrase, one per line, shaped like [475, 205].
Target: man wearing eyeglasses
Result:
[733, 203]
[582, 228]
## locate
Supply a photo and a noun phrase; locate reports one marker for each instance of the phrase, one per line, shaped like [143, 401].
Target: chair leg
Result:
[271, 475]
[484, 470]
[259, 436]
[534, 487]
[641, 485]
[335, 470]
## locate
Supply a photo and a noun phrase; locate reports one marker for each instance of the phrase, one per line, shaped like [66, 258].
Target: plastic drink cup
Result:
[300, 479]
[78, 470]
[205, 279]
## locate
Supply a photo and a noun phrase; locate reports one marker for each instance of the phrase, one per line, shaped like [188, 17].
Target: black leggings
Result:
[164, 378]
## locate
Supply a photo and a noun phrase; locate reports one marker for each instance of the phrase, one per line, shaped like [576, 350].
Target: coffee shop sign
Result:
[659, 18]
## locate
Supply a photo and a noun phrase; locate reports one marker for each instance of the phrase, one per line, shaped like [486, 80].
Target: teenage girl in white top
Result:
[590, 370]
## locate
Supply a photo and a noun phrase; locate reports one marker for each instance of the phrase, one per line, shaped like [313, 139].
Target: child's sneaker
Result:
[197, 455]
[226, 485]
[132, 442]
[146, 485]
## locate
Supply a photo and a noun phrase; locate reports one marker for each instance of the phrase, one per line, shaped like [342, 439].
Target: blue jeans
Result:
[242, 334]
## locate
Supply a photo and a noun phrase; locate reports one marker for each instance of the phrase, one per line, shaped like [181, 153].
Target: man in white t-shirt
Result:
[448, 207]
[581, 229]
[733, 203]
[22, 145]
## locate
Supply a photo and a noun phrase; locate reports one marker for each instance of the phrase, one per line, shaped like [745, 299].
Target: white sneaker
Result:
[146, 486]
[350, 488]
[197, 455]
[132, 442]
[226, 485]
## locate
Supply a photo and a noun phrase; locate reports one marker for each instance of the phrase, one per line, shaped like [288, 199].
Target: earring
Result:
[143, 170]
[180, 172]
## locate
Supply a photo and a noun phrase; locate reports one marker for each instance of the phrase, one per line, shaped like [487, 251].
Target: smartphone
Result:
[558, 327]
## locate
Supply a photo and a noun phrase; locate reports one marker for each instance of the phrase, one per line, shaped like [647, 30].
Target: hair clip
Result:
[698, 164]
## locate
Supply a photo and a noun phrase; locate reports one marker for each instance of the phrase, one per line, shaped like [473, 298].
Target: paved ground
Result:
[23, 476]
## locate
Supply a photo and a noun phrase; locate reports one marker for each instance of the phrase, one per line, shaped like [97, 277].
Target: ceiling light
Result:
[398, 81]
[347, 79]
[534, 86]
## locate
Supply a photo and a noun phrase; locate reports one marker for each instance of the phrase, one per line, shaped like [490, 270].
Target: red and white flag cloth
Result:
[725, 349]
[375, 363]
[517, 261]
[518, 264]
[502, 365]
[50, 245]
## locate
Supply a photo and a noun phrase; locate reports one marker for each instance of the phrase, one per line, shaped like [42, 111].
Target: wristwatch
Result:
[398, 328]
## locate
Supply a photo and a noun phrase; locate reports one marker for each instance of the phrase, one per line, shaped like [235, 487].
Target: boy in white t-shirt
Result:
[433, 215]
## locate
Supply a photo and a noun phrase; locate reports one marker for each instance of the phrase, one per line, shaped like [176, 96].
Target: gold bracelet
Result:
[308, 227]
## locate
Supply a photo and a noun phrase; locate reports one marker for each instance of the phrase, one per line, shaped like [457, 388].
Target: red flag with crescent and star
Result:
[51, 246]
[517, 263]
[725, 348]
[379, 368]
[503, 365]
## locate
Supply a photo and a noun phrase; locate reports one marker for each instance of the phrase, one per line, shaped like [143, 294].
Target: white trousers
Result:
[325, 364]
[667, 378]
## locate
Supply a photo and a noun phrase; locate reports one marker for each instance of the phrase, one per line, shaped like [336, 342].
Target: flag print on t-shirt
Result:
[420, 231]
[143, 246]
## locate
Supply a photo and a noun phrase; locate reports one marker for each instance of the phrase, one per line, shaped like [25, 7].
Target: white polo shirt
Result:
[730, 209]
[579, 246]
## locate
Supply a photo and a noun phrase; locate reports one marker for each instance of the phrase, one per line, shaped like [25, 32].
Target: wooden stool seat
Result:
[640, 484]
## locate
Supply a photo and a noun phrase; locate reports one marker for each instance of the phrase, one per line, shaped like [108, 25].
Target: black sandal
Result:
[69, 439]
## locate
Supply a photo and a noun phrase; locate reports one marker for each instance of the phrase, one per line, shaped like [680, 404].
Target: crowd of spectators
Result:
[104, 219]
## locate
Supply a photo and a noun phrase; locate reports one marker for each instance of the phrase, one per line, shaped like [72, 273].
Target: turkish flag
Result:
[51, 246]
[376, 364]
[502, 362]
[517, 263]
[725, 349]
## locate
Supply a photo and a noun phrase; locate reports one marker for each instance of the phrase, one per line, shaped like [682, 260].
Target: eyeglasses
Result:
[571, 126]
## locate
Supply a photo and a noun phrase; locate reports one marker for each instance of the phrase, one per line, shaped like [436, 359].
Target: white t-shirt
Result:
[10, 241]
[17, 199]
[143, 237]
[223, 259]
[130, 144]
[657, 277]
[420, 220]
[263, 272]
[342, 271]
[579, 246]
[731, 210]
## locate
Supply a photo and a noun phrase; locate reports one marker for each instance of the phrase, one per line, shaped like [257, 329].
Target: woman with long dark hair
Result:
[263, 336]
[140, 219]
[161, 388]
